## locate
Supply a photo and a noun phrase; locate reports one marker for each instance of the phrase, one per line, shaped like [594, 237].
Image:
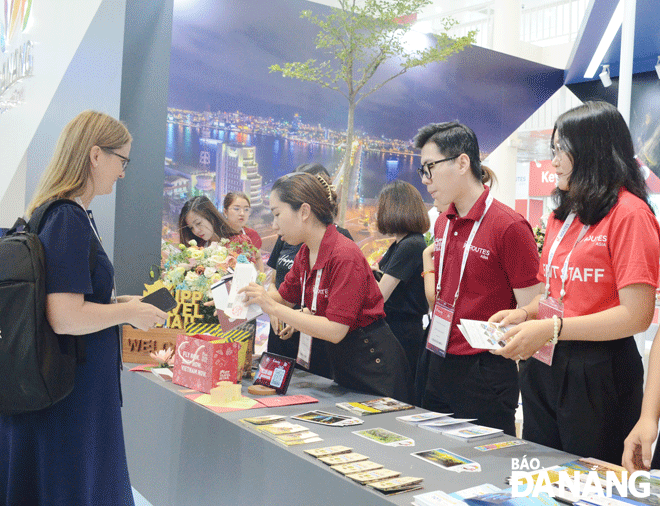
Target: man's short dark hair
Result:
[452, 139]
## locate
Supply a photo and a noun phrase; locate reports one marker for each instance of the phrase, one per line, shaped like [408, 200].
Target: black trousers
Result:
[482, 386]
[588, 401]
[409, 331]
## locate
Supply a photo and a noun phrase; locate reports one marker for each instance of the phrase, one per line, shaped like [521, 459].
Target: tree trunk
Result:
[347, 168]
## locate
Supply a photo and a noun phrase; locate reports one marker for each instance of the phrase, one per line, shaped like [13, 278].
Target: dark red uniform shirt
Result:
[503, 256]
[348, 292]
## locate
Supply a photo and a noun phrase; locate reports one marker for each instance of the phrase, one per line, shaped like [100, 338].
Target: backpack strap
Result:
[34, 225]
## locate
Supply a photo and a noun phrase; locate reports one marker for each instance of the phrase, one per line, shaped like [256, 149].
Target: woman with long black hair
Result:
[600, 268]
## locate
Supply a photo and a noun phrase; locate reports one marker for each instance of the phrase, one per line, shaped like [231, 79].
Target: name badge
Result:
[304, 357]
[548, 307]
[443, 315]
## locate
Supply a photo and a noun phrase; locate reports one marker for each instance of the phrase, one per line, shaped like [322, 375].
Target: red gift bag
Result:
[199, 364]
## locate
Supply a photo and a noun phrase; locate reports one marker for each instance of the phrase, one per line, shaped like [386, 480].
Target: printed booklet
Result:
[374, 406]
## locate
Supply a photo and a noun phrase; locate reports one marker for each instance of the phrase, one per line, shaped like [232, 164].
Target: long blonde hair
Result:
[68, 171]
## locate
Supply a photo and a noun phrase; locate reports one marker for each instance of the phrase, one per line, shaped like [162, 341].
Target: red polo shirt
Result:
[619, 250]
[253, 235]
[348, 292]
[503, 256]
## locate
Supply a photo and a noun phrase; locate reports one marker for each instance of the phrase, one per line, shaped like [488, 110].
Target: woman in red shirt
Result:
[237, 210]
[332, 281]
[600, 267]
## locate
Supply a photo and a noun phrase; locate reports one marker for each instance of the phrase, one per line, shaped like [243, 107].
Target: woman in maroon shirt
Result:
[237, 208]
[332, 281]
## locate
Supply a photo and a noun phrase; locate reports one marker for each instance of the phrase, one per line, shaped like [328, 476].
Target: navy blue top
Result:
[72, 452]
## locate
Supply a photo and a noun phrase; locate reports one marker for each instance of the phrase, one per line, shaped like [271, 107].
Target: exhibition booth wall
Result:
[116, 57]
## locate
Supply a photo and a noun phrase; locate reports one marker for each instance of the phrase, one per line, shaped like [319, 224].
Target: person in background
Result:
[401, 213]
[284, 339]
[237, 207]
[332, 281]
[484, 260]
[73, 452]
[638, 446]
[200, 220]
[599, 265]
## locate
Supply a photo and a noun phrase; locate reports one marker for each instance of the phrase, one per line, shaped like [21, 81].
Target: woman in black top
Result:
[401, 213]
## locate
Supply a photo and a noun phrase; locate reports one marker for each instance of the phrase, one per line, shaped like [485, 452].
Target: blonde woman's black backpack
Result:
[37, 366]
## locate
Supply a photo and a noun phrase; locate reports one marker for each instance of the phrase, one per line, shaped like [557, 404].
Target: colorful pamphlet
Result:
[484, 335]
[356, 467]
[447, 460]
[397, 485]
[472, 432]
[440, 498]
[328, 450]
[374, 406]
[421, 417]
[385, 437]
[505, 498]
[325, 418]
[263, 420]
[298, 438]
[497, 446]
[443, 424]
[344, 458]
[374, 475]
[281, 428]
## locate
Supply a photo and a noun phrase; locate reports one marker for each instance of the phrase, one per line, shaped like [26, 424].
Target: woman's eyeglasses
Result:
[124, 160]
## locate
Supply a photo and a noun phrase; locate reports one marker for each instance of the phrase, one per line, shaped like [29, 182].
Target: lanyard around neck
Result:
[466, 249]
[317, 283]
[553, 250]
[113, 296]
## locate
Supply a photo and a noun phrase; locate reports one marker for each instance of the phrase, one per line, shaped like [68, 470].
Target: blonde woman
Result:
[73, 452]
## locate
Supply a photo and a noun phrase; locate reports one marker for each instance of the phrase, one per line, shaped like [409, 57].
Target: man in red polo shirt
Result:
[484, 260]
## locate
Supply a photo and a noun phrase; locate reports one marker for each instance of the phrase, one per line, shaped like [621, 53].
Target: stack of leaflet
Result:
[374, 406]
[652, 499]
[473, 432]
[421, 417]
[283, 432]
[591, 487]
[445, 424]
[360, 469]
[482, 495]
[484, 335]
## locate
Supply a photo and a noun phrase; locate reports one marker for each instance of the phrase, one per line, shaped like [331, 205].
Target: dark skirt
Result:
[371, 360]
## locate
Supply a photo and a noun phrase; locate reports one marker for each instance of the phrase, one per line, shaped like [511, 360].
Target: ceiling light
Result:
[605, 76]
[605, 41]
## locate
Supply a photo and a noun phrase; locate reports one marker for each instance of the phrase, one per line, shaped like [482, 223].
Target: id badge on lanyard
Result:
[304, 357]
[443, 312]
[443, 315]
[550, 306]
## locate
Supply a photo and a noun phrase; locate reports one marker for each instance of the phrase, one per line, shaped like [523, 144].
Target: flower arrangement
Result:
[164, 358]
[195, 268]
[539, 237]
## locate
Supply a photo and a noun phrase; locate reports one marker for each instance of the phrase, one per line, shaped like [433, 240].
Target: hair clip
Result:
[327, 186]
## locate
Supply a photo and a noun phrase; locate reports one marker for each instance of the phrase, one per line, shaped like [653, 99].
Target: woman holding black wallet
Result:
[332, 281]
[73, 451]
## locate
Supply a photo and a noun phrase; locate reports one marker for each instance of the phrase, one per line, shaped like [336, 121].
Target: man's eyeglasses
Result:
[425, 169]
[124, 160]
